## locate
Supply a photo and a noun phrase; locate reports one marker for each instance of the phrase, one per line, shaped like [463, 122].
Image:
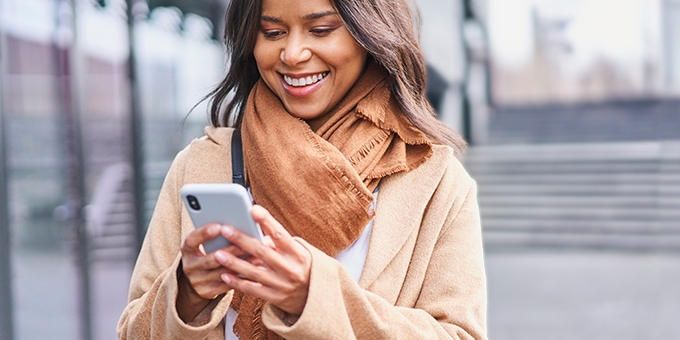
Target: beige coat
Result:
[423, 277]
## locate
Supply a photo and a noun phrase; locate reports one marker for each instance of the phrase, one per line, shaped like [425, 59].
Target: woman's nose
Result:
[295, 51]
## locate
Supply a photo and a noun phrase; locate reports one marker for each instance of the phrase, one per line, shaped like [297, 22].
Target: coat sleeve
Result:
[151, 312]
[451, 302]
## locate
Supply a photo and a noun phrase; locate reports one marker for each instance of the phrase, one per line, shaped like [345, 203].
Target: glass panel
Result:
[556, 51]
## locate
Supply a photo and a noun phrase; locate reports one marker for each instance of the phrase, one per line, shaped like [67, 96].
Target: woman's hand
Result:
[199, 280]
[278, 273]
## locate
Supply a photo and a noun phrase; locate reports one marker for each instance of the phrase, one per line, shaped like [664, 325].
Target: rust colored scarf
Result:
[319, 184]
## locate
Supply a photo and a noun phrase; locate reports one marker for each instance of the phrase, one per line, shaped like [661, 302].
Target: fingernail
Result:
[256, 211]
[214, 229]
[220, 256]
[226, 278]
[227, 230]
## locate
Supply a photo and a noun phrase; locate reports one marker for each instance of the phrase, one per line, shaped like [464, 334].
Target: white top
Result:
[353, 259]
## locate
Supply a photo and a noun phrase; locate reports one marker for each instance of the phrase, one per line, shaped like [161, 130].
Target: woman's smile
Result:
[301, 85]
[304, 81]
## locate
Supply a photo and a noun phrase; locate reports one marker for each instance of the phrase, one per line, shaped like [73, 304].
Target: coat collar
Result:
[408, 194]
[219, 135]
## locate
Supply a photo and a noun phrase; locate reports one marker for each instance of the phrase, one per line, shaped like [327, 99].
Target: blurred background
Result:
[571, 109]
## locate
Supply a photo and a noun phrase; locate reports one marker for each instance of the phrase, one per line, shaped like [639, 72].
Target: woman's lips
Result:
[304, 85]
[304, 80]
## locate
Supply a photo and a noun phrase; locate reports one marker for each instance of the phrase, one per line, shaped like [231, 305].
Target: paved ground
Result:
[533, 295]
[551, 294]
[46, 296]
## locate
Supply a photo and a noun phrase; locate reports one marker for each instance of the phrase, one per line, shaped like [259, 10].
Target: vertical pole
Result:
[466, 110]
[483, 20]
[136, 134]
[6, 303]
[70, 78]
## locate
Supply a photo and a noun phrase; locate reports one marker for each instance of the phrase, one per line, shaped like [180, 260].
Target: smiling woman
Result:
[300, 41]
[371, 224]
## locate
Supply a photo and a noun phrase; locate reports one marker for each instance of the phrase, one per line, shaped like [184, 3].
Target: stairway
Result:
[614, 121]
[110, 216]
[598, 195]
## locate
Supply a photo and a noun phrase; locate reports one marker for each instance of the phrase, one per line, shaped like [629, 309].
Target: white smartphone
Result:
[223, 203]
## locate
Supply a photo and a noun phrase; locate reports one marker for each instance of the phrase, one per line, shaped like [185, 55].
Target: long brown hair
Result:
[384, 28]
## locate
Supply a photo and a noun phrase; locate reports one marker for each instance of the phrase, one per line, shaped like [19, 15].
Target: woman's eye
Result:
[272, 34]
[321, 32]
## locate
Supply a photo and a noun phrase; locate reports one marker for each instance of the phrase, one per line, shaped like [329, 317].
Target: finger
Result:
[207, 263]
[278, 297]
[206, 270]
[192, 243]
[255, 261]
[278, 260]
[221, 253]
[267, 240]
[272, 228]
[245, 269]
[268, 256]
[285, 244]
[234, 250]
[246, 243]
[210, 284]
[274, 270]
[213, 261]
[247, 286]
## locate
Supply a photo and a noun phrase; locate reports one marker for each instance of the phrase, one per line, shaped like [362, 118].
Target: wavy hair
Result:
[386, 29]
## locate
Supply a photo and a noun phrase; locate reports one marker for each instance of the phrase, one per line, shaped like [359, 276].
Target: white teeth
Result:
[304, 81]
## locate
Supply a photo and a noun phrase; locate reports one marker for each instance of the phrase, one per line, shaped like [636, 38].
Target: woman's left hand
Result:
[279, 273]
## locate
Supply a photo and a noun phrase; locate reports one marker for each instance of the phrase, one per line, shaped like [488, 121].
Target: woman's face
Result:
[306, 55]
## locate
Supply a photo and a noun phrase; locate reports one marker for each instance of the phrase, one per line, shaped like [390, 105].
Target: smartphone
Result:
[223, 203]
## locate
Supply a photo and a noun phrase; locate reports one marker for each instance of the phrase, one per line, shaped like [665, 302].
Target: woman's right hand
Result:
[199, 280]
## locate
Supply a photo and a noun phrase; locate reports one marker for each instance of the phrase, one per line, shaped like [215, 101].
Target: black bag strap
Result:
[237, 173]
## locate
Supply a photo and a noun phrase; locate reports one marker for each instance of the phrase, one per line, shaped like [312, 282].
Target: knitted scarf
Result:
[319, 184]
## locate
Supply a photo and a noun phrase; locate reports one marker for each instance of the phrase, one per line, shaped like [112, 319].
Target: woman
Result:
[373, 224]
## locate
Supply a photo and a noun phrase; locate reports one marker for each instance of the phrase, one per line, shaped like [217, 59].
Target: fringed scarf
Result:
[319, 184]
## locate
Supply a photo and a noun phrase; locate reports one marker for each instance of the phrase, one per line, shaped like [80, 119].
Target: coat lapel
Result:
[402, 199]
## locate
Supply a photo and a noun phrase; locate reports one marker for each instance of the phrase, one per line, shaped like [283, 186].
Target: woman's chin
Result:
[306, 113]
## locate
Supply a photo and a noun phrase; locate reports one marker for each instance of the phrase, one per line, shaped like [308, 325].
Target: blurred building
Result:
[581, 139]
[577, 51]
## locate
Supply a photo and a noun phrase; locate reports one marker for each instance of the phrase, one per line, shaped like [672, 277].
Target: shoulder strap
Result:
[237, 158]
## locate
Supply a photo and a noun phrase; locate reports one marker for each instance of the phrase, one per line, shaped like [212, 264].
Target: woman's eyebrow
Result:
[270, 19]
[306, 17]
[313, 16]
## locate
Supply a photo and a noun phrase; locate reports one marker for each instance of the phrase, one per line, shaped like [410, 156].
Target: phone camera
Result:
[193, 202]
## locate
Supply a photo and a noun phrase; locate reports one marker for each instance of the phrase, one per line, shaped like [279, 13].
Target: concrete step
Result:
[491, 166]
[625, 120]
[582, 178]
[653, 151]
[584, 190]
[622, 195]
[632, 242]
[528, 224]
[583, 213]
[575, 201]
